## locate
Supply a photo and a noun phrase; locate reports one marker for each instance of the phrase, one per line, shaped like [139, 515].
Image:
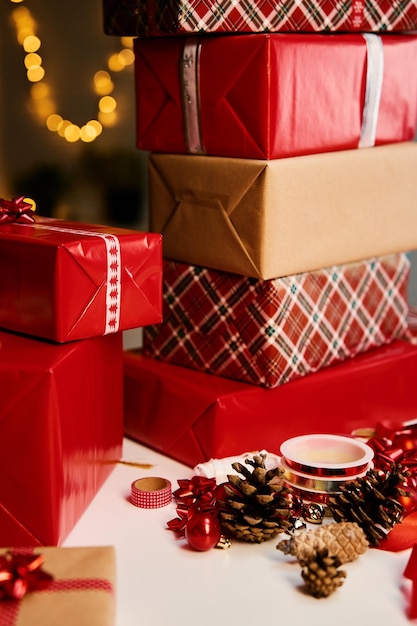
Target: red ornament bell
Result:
[203, 531]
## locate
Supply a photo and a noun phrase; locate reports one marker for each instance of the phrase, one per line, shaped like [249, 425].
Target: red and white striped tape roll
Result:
[151, 493]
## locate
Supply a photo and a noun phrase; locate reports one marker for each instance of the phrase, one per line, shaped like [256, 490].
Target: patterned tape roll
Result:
[151, 493]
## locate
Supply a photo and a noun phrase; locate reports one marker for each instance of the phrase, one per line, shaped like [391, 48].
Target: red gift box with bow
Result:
[193, 417]
[61, 425]
[66, 281]
[269, 96]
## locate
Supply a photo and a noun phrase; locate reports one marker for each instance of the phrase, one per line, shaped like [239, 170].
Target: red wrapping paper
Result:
[271, 332]
[193, 417]
[275, 95]
[66, 280]
[170, 17]
[61, 424]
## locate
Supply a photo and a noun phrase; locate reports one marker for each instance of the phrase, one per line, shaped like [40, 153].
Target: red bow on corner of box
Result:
[16, 210]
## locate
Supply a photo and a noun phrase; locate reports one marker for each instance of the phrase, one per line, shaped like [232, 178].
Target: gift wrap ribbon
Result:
[151, 493]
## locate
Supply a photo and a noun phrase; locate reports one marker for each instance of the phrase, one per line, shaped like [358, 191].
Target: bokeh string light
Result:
[42, 103]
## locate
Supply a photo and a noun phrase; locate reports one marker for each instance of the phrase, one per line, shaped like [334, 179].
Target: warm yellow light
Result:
[62, 127]
[16, 1]
[114, 63]
[43, 108]
[72, 133]
[39, 90]
[126, 57]
[20, 13]
[127, 42]
[53, 122]
[32, 59]
[30, 201]
[103, 84]
[107, 119]
[31, 43]
[23, 33]
[107, 104]
[96, 125]
[35, 73]
[88, 133]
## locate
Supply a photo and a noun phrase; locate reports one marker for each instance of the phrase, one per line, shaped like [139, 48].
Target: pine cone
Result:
[346, 540]
[256, 507]
[321, 575]
[372, 502]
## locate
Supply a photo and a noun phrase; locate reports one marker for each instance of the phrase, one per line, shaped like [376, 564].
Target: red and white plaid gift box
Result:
[269, 332]
[171, 17]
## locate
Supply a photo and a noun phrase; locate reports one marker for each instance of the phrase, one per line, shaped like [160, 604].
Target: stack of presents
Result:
[281, 176]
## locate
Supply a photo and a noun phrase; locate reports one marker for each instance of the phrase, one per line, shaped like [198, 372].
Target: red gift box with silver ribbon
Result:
[66, 281]
[61, 424]
[272, 96]
[270, 332]
[171, 17]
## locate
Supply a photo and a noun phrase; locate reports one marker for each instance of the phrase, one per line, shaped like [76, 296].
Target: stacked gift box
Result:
[281, 178]
[68, 292]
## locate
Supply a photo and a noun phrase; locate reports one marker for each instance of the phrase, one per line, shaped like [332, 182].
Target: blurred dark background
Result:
[102, 181]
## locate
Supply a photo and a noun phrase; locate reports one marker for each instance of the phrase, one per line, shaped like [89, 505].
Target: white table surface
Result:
[163, 582]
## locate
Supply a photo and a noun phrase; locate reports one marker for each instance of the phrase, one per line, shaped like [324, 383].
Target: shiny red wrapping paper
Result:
[65, 280]
[170, 17]
[61, 432]
[268, 96]
[193, 417]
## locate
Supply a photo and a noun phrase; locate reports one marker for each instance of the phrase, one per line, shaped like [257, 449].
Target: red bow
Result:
[21, 573]
[192, 496]
[16, 210]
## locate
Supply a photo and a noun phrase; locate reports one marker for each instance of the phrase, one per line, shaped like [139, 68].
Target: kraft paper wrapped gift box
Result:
[276, 95]
[61, 425]
[269, 332]
[66, 280]
[170, 17]
[81, 590]
[285, 216]
[193, 417]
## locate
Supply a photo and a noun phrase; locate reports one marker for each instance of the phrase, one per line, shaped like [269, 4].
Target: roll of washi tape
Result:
[151, 493]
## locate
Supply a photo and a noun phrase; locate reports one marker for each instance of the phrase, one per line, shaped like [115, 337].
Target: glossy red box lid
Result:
[194, 417]
[61, 424]
[67, 280]
[268, 96]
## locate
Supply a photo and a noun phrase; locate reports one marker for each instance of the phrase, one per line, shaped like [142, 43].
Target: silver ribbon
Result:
[374, 79]
[189, 76]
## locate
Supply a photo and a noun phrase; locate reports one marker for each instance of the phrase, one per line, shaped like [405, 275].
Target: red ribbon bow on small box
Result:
[21, 573]
[16, 210]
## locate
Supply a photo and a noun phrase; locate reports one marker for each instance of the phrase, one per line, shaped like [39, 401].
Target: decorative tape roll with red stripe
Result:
[151, 493]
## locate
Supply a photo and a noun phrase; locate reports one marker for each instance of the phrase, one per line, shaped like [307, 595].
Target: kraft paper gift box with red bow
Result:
[193, 417]
[269, 332]
[169, 17]
[66, 586]
[284, 216]
[268, 96]
[61, 425]
[66, 281]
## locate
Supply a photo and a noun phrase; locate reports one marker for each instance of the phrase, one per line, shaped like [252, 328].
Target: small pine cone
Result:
[372, 501]
[346, 540]
[256, 505]
[321, 575]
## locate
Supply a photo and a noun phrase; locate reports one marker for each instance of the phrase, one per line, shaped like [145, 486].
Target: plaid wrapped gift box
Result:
[271, 332]
[193, 417]
[82, 589]
[277, 95]
[170, 17]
